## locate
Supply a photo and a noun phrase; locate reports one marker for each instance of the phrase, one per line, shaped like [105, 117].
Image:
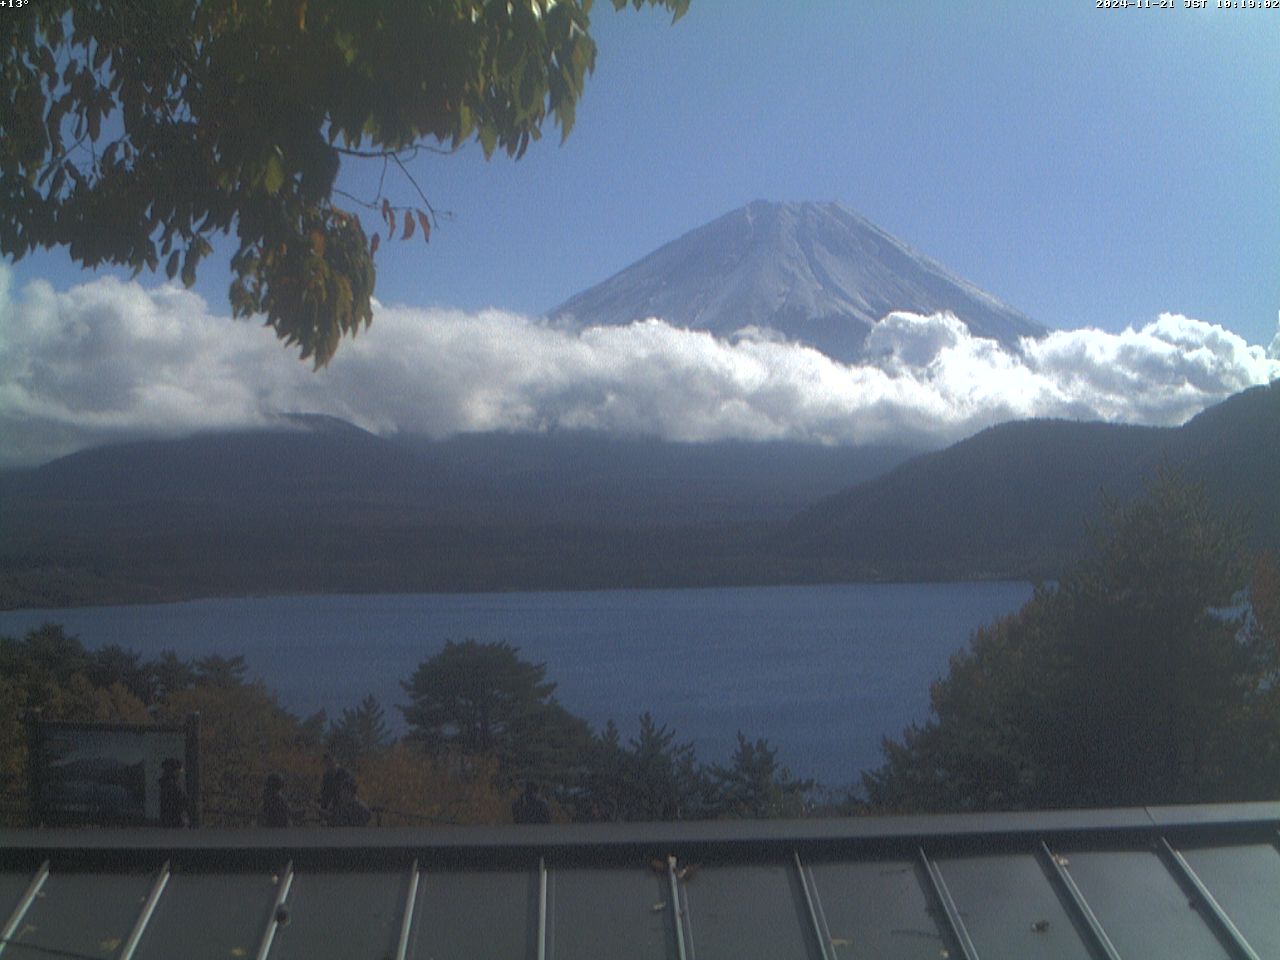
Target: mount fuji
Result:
[816, 273]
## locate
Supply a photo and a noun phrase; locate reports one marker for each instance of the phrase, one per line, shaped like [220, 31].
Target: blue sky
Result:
[1090, 167]
[1096, 169]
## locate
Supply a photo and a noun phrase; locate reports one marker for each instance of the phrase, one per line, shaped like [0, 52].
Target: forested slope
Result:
[1013, 501]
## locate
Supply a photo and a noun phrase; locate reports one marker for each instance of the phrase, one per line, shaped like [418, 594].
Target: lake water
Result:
[822, 671]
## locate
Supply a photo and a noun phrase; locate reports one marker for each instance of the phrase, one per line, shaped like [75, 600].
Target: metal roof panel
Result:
[1198, 881]
[360, 909]
[1011, 908]
[878, 908]
[744, 910]
[462, 915]
[1245, 880]
[81, 915]
[1144, 910]
[624, 914]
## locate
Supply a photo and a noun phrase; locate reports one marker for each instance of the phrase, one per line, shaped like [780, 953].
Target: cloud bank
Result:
[108, 361]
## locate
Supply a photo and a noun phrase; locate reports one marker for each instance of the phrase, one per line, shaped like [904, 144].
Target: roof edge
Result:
[485, 843]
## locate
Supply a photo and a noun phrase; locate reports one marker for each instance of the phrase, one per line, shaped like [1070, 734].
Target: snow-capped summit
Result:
[817, 273]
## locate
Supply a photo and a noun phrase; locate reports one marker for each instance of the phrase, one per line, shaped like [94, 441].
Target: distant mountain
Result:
[1014, 500]
[303, 458]
[816, 273]
[321, 506]
[317, 504]
[310, 462]
[592, 478]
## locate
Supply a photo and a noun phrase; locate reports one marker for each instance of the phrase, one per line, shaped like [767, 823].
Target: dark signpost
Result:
[107, 774]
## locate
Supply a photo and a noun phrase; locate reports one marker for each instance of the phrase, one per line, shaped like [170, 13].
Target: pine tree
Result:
[755, 785]
[360, 731]
[481, 700]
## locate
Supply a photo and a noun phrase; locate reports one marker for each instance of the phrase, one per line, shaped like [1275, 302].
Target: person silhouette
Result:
[530, 807]
[350, 810]
[275, 809]
[174, 805]
[330, 784]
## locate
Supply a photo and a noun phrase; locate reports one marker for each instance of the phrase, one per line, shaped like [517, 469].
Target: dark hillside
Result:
[591, 478]
[1014, 500]
[1234, 448]
[265, 466]
[1005, 503]
[324, 506]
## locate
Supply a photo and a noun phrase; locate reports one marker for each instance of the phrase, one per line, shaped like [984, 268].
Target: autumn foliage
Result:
[481, 722]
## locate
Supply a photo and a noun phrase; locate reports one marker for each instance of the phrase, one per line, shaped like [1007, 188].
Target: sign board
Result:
[108, 774]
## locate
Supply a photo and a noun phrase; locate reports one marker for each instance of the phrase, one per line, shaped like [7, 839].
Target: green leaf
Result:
[199, 247]
[273, 175]
[229, 116]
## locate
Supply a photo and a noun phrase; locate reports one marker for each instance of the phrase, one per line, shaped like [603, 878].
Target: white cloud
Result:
[110, 360]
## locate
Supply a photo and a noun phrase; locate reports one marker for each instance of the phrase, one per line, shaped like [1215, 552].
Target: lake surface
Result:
[824, 672]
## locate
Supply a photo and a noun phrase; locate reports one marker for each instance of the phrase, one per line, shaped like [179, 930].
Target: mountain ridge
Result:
[1016, 499]
[340, 510]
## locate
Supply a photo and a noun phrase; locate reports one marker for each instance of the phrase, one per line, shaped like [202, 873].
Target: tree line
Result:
[481, 723]
[1146, 675]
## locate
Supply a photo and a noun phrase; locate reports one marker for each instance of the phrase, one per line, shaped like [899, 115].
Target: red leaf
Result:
[426, 227]
[373, 244]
